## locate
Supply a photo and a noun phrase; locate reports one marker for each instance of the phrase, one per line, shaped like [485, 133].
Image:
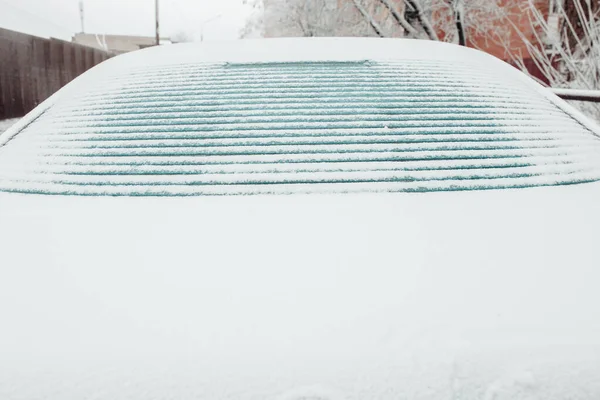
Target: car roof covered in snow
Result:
[297, 116]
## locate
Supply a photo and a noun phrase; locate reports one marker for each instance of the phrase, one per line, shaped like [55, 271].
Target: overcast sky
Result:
[60, 18]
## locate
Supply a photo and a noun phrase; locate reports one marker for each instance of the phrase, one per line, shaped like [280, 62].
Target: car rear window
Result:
[302, 127]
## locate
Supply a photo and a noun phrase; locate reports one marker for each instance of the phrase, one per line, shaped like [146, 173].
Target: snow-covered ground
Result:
[7, 123]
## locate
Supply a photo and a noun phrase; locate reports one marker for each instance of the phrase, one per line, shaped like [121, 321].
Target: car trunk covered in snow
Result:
[458, 294]
[476, 295]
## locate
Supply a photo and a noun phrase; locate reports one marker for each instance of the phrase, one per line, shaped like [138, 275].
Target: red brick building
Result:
[507, 34]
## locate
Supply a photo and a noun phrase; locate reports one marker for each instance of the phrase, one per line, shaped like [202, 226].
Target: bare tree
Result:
[254, 26]
[458, 13]
[559, 47]
[181, 37]
[367, 16]
[562, 45]
[571, 44]
[447, 20]
[400, 19]
[419, 8]
[321, 18]
[293, 18]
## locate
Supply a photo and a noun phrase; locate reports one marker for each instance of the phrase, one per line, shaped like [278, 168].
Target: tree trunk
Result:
[422, 18]
[457, 10]
[399, 18]
[376, 27]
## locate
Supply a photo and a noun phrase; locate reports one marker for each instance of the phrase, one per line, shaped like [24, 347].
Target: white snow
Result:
[7, 123]
[464, 295]
[190, 106]
[470, 295]
[591, 94]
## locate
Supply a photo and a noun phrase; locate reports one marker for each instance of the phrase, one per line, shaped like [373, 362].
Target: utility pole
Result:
[81, 16]
[157, 24]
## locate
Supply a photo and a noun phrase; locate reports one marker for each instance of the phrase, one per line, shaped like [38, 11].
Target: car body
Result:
[301, 219]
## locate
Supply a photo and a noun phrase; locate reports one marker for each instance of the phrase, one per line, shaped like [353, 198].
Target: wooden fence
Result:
[33, 68]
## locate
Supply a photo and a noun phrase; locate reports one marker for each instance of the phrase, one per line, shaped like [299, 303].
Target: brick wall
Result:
[504, 39]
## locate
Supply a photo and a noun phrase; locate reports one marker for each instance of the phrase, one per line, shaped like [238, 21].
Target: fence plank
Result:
[39, 73]
[57, 64]
[22, 58]
[32, 68]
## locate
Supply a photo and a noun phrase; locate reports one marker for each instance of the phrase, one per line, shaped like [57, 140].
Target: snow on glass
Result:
[217, 123]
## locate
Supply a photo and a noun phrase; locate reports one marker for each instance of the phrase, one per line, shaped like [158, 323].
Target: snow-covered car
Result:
[301, 219]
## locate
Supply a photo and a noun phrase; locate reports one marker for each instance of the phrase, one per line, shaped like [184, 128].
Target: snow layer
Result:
[465, 295]
[7, 123]
[581, 93]
[452, 295]
[290, 116]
